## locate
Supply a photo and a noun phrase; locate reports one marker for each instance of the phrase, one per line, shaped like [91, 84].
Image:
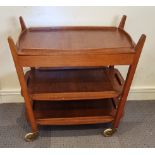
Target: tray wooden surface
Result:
[74, 112]
[47, 41]
[73, 84]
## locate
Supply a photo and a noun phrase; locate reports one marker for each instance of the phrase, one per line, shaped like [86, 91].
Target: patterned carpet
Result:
[137, 129]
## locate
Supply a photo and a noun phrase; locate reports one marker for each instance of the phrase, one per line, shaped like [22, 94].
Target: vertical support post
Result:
[23, 84]
[129, 79]
[23, 28]
[121, 26]
[122, 22]
[22, 23]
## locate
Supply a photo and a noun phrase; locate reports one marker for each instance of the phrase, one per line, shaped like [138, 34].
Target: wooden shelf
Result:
[74, 112]
[50, 40]
[74, 84]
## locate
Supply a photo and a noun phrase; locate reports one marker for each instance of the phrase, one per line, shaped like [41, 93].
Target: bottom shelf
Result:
[74, 112]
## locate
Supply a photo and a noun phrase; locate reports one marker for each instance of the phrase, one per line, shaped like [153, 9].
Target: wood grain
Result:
[74, 112]
[73, 39]
[76, 60]
[73, 84]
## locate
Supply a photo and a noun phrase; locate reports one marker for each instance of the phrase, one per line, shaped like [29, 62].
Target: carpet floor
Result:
[137, 129]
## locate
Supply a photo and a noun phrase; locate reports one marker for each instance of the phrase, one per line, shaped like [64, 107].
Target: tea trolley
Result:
[73, 78]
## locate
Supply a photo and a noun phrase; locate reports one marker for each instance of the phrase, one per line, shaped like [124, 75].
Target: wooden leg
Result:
[128, 81]
[26, 115]
[28, 102]
[29, 108]
[123, 98]
[23, 84]
[109, 132]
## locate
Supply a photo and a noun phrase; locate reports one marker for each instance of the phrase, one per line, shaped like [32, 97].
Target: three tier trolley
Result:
[73, 78]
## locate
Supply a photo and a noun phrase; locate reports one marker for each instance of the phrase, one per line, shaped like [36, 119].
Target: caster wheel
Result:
[109, 132]
[29, 137]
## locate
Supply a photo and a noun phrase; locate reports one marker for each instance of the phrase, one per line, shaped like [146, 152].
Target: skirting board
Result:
[14, 96]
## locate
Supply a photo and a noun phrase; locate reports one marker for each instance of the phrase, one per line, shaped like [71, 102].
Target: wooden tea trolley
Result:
[72, 79]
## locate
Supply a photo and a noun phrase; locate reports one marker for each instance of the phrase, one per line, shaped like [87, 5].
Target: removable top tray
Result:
[48, 40]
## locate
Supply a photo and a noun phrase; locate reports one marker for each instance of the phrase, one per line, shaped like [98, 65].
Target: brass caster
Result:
[29, 137]
[109, 132]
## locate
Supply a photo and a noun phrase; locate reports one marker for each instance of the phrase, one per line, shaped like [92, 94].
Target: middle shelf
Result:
[74, 84]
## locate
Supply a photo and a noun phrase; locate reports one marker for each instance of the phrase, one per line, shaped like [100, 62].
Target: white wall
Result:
[140, 20]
